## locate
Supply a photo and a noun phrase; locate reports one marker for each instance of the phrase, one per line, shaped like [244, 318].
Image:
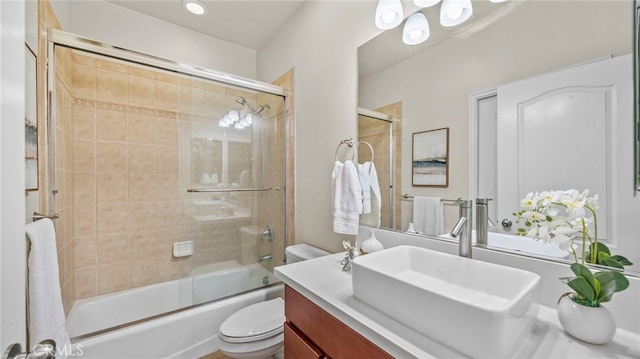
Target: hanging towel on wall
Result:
[365, 184]
[346, 199]
[46, 313]
[428, 215]
[370, 204]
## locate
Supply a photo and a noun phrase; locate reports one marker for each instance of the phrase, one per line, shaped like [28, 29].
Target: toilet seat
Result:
[253, 323]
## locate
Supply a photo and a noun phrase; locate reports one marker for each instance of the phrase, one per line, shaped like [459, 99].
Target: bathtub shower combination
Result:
[169, 183]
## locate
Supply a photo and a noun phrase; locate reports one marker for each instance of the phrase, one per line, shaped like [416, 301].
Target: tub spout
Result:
[266, 257]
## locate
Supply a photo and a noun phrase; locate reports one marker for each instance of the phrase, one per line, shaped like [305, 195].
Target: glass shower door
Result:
[234, 198]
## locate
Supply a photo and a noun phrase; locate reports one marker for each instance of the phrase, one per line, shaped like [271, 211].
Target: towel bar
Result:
[193, 190]
[37, 216]
[409, 198]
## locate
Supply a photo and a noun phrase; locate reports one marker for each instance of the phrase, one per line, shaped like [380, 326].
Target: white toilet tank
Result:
[301, 252]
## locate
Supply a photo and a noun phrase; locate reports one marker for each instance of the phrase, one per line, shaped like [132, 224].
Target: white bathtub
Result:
[185, 334]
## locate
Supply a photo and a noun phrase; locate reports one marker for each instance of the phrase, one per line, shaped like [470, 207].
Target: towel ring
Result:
[370, 148]
[349, 143]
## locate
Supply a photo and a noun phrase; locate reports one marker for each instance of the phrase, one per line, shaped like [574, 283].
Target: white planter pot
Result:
[595, 325]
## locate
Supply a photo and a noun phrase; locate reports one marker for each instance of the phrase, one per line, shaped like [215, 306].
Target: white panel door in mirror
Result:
[552, 130]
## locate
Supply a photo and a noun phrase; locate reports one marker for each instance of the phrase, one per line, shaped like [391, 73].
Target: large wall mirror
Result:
[463, 74]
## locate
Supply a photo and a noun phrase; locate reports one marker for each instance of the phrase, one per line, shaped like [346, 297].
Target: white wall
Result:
[12, 236]
[116, 25]
[320, 42]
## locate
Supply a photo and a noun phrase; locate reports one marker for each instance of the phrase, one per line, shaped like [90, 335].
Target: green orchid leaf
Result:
[610, 262]
[601, 250]
[622, 260]
[582, 288]
[584, 272]
[611, 282]
[602, 256]
[601, 247]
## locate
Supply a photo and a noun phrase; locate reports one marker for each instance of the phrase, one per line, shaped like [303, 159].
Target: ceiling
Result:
[248, 23]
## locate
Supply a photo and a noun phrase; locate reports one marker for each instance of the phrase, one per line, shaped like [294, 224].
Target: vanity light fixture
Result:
[195, 7]
[388, 14]
[455, 12]
[233, 118]
[426, 3]
[416, 29]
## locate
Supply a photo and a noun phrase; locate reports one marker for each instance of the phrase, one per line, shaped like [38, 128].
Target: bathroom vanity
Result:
[324, 318]
[311, 332]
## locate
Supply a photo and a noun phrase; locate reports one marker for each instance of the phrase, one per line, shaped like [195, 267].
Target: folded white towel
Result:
[347, 198]
[428, 215]
[46, 313]
[370, 204]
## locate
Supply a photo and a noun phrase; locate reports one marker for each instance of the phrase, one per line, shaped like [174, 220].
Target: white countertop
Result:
[323, 282]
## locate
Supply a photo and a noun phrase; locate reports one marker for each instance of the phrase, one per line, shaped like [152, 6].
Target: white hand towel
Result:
[46, 313]
[371, 205]
[365, 184]
[347, 198]
[375, 187]
[428, 215]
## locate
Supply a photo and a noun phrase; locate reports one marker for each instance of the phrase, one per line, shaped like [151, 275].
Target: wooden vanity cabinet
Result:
[311, 332]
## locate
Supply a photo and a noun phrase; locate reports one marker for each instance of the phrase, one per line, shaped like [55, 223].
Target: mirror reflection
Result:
[464, 75]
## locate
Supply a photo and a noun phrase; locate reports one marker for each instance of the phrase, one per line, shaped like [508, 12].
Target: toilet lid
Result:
[255, 322]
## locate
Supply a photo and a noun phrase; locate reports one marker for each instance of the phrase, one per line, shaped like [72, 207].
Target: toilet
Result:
[256, 331]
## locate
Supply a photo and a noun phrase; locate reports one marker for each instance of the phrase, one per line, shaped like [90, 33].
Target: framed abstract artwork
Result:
[430, 161]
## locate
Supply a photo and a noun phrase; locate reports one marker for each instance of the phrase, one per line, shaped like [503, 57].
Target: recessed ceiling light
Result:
[194, 7]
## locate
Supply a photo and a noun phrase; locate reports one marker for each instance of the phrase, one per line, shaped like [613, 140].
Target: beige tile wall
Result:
[125, 163]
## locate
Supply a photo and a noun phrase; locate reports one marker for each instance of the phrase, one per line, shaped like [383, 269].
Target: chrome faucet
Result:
[483, 222]
[462, 229]
[350, 255]
[266, 257]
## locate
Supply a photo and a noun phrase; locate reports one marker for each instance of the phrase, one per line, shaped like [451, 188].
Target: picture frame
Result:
[31, 121]
[430, 158]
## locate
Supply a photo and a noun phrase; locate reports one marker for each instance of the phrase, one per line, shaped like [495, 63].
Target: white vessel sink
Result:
[480, 309]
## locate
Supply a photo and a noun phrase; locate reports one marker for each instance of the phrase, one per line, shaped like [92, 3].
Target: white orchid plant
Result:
[561, 217]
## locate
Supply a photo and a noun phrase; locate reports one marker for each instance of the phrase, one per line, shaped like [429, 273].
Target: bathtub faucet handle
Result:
[268, 234]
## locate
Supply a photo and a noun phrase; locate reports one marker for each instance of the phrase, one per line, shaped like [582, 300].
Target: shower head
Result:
[241, 100]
